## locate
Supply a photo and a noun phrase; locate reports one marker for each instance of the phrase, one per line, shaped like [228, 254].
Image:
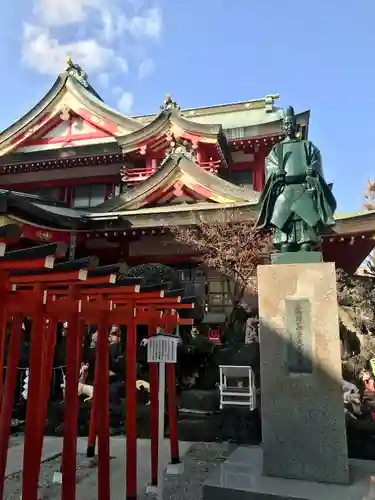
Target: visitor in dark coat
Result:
[116, 366]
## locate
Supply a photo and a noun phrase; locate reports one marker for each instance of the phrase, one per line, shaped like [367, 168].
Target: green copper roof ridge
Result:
[349, 215]
[221, 105]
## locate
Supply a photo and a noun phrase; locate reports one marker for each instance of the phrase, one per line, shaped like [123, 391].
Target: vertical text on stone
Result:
[299, 339]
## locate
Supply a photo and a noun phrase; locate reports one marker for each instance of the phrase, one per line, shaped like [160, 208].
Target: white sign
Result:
[162, 348]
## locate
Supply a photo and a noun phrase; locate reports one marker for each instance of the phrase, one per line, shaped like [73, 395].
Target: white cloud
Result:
[62, 12]
[145, 25]
[122, 64]
[125, 102]
[116, 91]
[103, 79]
[146, 68]
[108, 29]
[141, 22]
[101, 40]
[46, 54]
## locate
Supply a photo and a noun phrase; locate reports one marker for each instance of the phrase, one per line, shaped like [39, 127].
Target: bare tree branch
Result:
[231, 248]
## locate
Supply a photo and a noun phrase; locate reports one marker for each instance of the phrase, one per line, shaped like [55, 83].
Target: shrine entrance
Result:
[37, 284]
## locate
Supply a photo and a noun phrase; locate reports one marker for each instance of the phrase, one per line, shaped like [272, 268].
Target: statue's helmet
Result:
[289, 114]
[289, 122]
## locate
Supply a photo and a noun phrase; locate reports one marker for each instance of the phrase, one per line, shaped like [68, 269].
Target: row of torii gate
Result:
[80, 292]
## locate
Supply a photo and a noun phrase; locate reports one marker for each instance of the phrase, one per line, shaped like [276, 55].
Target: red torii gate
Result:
[85, 294]
[109, 306]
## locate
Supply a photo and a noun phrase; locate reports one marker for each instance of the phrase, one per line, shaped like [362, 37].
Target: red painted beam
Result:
[12, 265]
[66, 139]
[132, 289]
[70, 277]
[101, 179]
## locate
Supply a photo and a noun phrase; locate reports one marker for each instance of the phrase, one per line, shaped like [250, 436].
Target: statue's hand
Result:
[310, 172]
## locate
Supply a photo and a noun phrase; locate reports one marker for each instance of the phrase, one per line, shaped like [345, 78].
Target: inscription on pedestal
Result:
[299, 348]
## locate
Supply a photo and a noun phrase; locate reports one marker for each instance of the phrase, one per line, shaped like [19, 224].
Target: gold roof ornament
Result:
[269, 102]
[169, 103]
[69, 63]
[76, 71]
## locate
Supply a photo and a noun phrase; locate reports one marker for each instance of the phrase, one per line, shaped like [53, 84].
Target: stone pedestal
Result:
[303, 424]
[240, 477]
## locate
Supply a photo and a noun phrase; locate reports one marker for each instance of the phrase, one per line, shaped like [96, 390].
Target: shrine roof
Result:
[350, 215]
[39, 210]
[253, 118]
[72, 96]
[165, 122]
[347, 244]
[355, 222]
[181, 173]
[67, 93]
[174, 215]
[265, 103]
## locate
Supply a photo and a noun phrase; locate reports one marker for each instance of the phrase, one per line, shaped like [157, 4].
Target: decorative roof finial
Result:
[179, 147]
[69, 63]
[169, 103]
[76, 72]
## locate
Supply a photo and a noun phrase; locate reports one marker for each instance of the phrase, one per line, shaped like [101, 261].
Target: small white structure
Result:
[161, 349]
[237, 386]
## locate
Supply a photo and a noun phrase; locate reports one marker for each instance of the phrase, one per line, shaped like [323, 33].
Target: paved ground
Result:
[87, 488]
[86, 469]
[51, 448]
[199, 461]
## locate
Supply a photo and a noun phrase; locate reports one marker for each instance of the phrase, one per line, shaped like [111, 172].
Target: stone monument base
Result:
[303, 420]
[296, 257]
[240, 477]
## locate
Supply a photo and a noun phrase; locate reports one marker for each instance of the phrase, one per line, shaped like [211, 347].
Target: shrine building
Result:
[74, 170]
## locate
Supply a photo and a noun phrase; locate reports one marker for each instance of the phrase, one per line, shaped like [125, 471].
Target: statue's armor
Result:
[294, 209]
[296, 200]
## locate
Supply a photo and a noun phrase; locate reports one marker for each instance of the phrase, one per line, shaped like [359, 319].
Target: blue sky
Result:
[317, 55]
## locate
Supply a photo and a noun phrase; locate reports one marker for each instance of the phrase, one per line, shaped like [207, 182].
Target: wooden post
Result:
[45, 390]
[90, 452]
[69, 456]
[3, 327]
[31, 467]
[73, 244]
[153, 373]
[172, 319]
[161, 422]
[8, 397]
[131, 409]
[102, 416]
[172, 413]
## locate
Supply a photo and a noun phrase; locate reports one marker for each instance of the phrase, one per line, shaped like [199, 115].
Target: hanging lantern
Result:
[214, 335]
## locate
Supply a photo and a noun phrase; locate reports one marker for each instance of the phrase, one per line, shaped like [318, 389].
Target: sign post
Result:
[161, 349]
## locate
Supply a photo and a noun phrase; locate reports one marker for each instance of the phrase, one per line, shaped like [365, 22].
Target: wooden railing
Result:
[134, 175]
